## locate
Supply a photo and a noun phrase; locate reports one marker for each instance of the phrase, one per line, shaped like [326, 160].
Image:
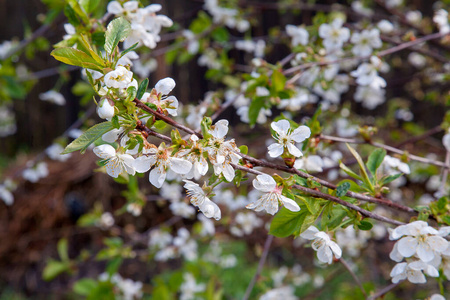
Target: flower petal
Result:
[289, 203]
[105, 151]
[165, 86]
[301, 133]
[281, 127]
[264, 183]
[180, 165]
[294, 150]
[275, 150]
[157, 176]
[407, 246]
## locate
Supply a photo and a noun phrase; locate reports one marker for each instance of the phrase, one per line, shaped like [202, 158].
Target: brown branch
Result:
[384, 202]
[383, 291]
[262, 260]
[355, 278]
[379, 54]
[165, 118]
[387, 148]
[337, 200]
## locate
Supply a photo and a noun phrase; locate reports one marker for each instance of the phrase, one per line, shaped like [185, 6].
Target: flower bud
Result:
[105, 110]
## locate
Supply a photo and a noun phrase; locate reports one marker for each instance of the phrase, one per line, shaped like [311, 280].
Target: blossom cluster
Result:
[425, 250]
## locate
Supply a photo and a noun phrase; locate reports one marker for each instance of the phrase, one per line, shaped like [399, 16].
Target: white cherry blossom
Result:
[287, 138]
[413, 272]
[198, 198]
[272, 195]
[195, 154]
[298, 34]
[159, 96]
[385, 26]
[365, 41]
[417, 238]
[105, 110]
[322, 243]
[53, 97]
[54, 152]
[35, 173]
[161, 160]
[441, 19]
[334, 35]
[120, 78]
[367, 74]
[312, 163]
[190, 287]
[116, 163]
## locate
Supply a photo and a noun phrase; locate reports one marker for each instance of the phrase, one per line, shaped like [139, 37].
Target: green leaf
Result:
[63, 249]
[220, 34]
[365, 225]
[88, 137]
[142, 88]
[117, 31]
[362, 167]
[89, 5]
[76, 57]
[243, 149]
[122, 54]
[85, 286]
[333, 216]
[349, 171]
[79, 10]
[278, 81]
[342, 189]
[71, 16]
[255, 107]
[375, 159]
[390, 178]
[286, 222]
[53, 269]
[113, 265]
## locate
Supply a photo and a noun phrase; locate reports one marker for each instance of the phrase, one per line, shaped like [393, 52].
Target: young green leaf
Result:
[342, 189]
[76, 57]
[278, 81]
[88, 137]
[362, 167]
[255, 107]
[117, 31]
[142, 88]
[365, 225]
[79, 10]
[390, 178]
[54, 268]
[89, 5]
[375, 159]
[349, 171]
[85, 286]
[63, 249]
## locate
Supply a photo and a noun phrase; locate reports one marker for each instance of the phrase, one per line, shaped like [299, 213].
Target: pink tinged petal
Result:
[281, 127]
[157, 177]
[336, 249]
[301, 133]
[289, 203]
[179, 165]
[325, 255]
[407, 246]
[264, 183]
[294, 150]
[275, 150]
[105, 151]
[143, 163]
[309, 233]
[165, 86]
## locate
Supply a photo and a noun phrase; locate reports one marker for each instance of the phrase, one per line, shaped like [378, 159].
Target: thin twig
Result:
[444, 174]
[387, 148]
[262, 260]
[355, 278]
[383, 291]
[380, 54]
